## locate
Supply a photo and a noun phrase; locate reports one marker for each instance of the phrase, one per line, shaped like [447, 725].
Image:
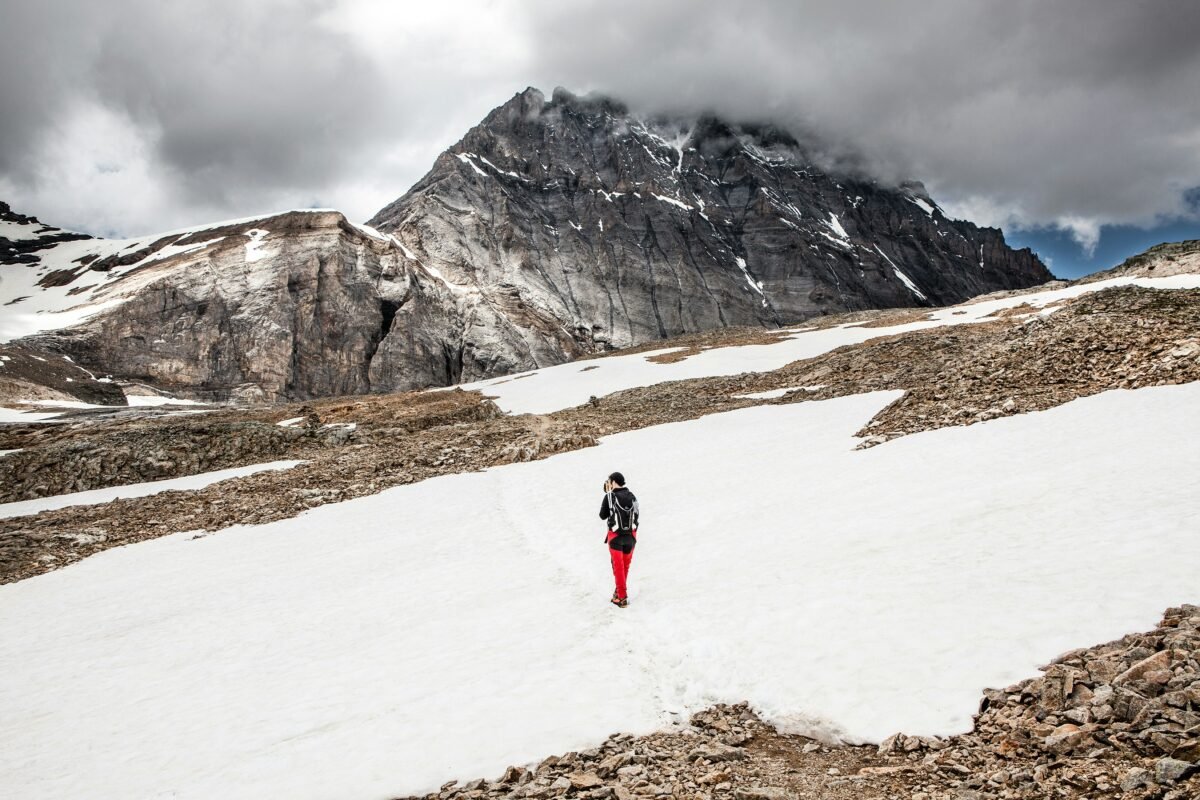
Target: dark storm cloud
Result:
[241, 92]
[237, 98]
[32, 83]
[1043, 112]
[1073, 113]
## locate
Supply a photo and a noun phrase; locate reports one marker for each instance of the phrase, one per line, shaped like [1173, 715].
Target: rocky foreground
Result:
[1117, 720]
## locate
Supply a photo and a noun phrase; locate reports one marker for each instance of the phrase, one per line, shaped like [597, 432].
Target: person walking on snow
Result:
[620, 510]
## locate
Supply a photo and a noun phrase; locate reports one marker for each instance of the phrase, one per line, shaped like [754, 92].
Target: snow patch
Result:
[189, 483]
[753, 284]
[835, 225]
[21, 231]
[437, 275]
[771, 394]
[509, 173]
[175, 249]
[672, 201]
[843, 243]
[63, 403]
[16, 415]
[254, 249]
[409, 254]
[839, 236]
[466, 159]
[924, 206]
[912, 287]
[152, 400]
[371, 232]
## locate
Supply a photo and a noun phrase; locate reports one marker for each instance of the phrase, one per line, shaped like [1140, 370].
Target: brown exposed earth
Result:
[1125, 337]
[1117, 720]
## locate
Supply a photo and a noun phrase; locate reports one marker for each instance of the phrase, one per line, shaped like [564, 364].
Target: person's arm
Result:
[604, 508]
[637, 514]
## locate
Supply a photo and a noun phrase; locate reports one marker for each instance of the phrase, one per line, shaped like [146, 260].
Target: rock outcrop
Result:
[29, 374]
[301, 304]
[149, 453]
[1139, 694]
[615, 230]
[1161, 261]
[553, 229]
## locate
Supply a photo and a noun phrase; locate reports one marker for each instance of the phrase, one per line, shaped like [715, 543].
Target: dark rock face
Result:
[616, 230]
[299, 305]
[28, 374]
[553, 229]
[24, 235]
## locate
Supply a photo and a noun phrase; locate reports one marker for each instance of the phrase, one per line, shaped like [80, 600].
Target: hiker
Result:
[620, 510]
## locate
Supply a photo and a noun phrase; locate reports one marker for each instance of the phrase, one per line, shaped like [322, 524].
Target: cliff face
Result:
[622, 230]
[553, 229]
[301, 304]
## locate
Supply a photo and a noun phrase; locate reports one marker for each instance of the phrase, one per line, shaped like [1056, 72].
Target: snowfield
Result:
[449, 628]
[551, 389]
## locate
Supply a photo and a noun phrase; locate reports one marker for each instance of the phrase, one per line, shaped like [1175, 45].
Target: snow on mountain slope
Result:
[30, 306]
[59, 289]
[20, 231]
[451, 627]
[297, 304]
[553, 388]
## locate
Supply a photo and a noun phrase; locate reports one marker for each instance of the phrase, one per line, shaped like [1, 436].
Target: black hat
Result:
[617, 478]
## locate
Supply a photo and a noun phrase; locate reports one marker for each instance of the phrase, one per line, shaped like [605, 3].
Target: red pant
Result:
[620, 566]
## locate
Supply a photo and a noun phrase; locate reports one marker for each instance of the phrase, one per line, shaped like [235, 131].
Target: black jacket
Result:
[624, 509]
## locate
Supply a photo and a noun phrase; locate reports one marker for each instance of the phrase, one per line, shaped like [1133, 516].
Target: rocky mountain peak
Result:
[553, 229]
[619, 228]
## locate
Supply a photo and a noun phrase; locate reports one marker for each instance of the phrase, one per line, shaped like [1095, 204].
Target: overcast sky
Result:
[1052, 119]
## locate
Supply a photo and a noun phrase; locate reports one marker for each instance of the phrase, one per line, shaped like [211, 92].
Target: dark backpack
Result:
[620, 518]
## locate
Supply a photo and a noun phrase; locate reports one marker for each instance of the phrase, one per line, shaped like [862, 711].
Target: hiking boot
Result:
[622, 603]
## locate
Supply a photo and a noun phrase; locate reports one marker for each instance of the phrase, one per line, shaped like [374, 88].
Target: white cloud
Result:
[98, 171]
[1085, 232]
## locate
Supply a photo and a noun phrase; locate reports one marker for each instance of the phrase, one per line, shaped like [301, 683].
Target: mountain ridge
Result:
[552, 230]
[769, 236]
